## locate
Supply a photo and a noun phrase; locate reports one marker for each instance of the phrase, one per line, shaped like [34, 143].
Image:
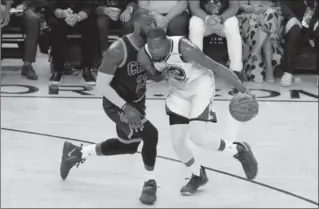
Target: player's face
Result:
[146, 24]
[158, 48]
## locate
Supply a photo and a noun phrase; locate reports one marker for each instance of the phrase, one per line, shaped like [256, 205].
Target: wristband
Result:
[122, 108]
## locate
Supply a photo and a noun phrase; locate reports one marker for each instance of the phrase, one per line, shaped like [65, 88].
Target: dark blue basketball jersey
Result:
[130, 78]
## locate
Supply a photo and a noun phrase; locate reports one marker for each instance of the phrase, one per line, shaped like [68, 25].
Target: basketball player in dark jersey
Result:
[122, 82]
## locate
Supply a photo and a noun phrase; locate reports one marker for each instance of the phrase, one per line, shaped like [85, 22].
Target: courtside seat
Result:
[12, 37]
[73, 51]
[306, 61]
[216, 48]
[12, 43]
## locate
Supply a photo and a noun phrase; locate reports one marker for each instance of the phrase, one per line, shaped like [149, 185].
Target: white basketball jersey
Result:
[178, 71]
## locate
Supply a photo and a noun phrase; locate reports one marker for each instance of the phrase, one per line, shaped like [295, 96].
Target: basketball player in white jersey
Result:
[189, 102]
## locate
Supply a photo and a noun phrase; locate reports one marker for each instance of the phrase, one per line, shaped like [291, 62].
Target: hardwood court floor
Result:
[284, 137]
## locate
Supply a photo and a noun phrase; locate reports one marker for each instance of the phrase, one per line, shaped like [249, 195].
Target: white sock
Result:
[202, 138]
[89, 151]
[149, 175]
[230, 147]
[195, 168]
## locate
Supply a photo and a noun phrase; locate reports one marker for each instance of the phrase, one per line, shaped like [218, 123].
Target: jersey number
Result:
[141, 82]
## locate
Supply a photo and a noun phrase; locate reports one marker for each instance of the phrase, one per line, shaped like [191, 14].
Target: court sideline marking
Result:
[153, 98]
[173, 160]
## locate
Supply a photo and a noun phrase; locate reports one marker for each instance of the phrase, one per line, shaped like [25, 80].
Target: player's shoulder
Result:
[117, 46]
[187, 49]
[116, 51]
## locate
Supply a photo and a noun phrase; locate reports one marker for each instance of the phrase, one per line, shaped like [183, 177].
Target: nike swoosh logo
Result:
[69, 154]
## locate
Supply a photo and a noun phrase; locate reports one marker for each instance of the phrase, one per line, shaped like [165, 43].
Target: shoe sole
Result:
[90, 83]
[190, 193]
[56, 82]
[64, 154]
[32, 78]
[147, 199]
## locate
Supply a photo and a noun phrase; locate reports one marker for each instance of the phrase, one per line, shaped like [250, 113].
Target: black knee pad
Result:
[149, 133]
[132, 148]
[176, 120]
[149, 136]
[115, 147]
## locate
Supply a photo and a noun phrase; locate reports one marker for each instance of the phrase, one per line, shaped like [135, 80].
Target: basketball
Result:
[243, 107]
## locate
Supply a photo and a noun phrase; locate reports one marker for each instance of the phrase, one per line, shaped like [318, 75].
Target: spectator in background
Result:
[171, 15]
[66, 16]
[296, 16]
[316, 28]
[29, 21]
[314, 25]
[261, 26]
[117, 11]
[218, 17]
[5, 13]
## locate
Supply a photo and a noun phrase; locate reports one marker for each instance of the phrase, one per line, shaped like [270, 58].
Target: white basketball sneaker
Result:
[286, 79]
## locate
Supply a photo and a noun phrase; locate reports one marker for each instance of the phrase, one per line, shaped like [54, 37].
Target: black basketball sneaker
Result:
[148, 195]
[71, 156]
[247, 160]
[195, 182]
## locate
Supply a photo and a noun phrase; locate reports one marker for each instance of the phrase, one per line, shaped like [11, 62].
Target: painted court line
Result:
[173, 160]
[155, 99]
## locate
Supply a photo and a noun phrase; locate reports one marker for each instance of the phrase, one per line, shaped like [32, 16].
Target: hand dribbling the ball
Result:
[248, 92]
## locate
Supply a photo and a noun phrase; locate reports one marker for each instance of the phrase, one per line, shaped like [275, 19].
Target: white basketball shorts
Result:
[194, 101]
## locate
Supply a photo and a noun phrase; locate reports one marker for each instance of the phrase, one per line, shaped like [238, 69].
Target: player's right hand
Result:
[134, 117]
[248, 92]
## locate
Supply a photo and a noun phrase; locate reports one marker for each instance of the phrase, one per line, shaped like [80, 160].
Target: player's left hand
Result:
[126, 15]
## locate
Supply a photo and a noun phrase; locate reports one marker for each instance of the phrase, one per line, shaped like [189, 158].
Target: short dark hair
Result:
[140, 13]
[155, 33]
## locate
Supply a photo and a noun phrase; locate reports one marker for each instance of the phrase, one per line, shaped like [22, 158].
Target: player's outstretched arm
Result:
[193, 54]
[145, 61]
[112, 59]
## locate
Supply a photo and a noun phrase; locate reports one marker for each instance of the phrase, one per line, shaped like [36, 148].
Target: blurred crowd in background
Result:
[259, 36]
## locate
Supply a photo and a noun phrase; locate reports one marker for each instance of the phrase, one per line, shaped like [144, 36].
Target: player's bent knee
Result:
[132, 148]
[150, 133]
